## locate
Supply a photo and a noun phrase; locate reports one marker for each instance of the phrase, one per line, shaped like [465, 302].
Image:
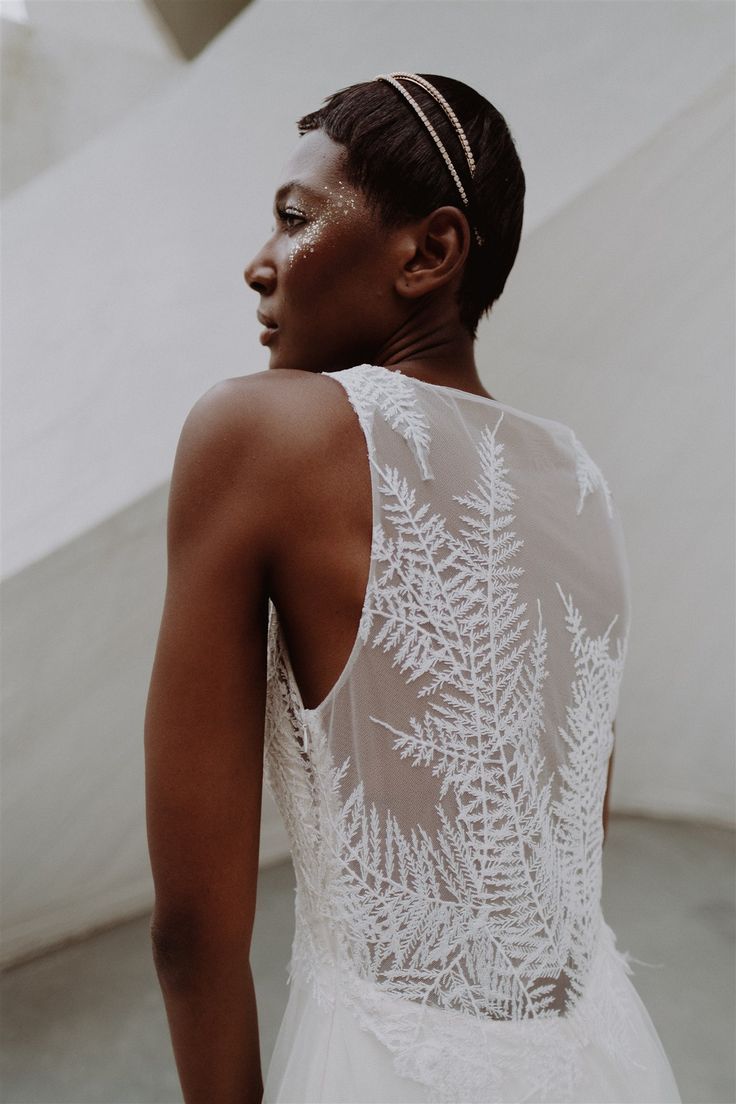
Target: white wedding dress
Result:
[444, 802]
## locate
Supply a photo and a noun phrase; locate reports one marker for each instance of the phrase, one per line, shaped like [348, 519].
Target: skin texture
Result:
[344, 290]
[270, 498]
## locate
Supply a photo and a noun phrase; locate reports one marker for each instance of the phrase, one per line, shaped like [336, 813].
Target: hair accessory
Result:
[391, 79]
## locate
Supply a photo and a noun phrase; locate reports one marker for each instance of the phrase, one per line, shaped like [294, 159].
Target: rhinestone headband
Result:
[390, 78]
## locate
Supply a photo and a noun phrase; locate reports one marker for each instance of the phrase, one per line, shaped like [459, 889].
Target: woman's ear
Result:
[440, 243]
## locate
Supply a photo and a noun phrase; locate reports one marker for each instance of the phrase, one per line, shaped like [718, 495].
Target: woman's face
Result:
[326, 277]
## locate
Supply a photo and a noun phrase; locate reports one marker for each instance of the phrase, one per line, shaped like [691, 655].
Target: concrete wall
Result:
[115, 24]
[193, 26]
[79, 635]
[630, 338]
[60, 90]
[124, 301]
[145, 233]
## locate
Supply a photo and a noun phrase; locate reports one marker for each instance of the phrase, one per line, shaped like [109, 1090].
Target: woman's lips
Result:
[268, 334]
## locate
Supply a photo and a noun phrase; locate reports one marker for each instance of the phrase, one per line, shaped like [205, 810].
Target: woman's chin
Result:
[272, 348]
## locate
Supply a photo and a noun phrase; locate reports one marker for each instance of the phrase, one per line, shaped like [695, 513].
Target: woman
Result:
[409, 601]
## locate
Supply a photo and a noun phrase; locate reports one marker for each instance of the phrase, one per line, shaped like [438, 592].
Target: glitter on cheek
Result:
[341, 207]
[307, 239]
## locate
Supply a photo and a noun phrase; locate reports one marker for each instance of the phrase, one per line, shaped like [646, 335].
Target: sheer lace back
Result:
[444, 802]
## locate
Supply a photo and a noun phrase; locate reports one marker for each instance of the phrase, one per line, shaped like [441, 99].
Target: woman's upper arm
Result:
[205, 709]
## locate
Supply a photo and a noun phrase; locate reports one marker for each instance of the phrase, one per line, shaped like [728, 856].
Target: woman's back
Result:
[444, 801]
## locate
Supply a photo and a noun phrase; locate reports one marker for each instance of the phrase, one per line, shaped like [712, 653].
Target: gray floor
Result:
[86, 1023]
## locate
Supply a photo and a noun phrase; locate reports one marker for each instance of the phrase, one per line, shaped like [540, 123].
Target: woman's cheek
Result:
[307, 242]
[323, 237]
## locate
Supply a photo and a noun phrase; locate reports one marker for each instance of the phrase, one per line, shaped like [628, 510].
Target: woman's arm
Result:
[204, 747]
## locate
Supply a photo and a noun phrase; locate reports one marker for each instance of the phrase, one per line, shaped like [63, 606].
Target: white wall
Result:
[132, 251]
[79, 634]
[124, 301]
[60, 90]
[119, 24]
[619, 320]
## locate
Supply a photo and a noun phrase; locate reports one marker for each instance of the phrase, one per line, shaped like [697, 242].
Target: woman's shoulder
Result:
[278, 393]
[283, 409]
[283, 426]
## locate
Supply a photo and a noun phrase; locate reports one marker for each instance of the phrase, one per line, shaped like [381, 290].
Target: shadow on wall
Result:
[190, 27]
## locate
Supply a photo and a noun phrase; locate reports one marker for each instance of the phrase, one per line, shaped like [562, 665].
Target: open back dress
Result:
[444, 802]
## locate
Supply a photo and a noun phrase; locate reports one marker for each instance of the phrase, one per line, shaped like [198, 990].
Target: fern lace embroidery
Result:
[467, 936]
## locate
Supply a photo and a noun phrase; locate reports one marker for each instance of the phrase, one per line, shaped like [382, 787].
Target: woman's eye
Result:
[285, 214]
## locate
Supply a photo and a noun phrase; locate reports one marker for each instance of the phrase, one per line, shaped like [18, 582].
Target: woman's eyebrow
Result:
[296, 185]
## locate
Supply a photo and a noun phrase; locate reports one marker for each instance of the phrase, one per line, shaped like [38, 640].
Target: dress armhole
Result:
[365, 421]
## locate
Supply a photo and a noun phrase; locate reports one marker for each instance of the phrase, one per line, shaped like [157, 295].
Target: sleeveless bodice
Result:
[444, 801]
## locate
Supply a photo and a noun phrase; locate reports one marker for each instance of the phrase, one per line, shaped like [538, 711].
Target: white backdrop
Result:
[124, 301]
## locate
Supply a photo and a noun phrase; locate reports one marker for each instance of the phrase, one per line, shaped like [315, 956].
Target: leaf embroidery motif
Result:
[491, 913]
[589, 475]
[390, 394]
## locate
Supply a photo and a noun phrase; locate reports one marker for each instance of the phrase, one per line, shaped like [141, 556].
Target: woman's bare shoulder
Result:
[292, 407]
[254, 447]
[275, 422]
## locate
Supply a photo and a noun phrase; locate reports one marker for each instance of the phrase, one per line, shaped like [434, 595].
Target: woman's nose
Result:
[259, 274]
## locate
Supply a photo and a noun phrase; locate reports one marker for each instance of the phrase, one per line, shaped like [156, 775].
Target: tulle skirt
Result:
[323, 1055]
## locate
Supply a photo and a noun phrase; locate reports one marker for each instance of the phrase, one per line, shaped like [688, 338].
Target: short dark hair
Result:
[393, 159]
